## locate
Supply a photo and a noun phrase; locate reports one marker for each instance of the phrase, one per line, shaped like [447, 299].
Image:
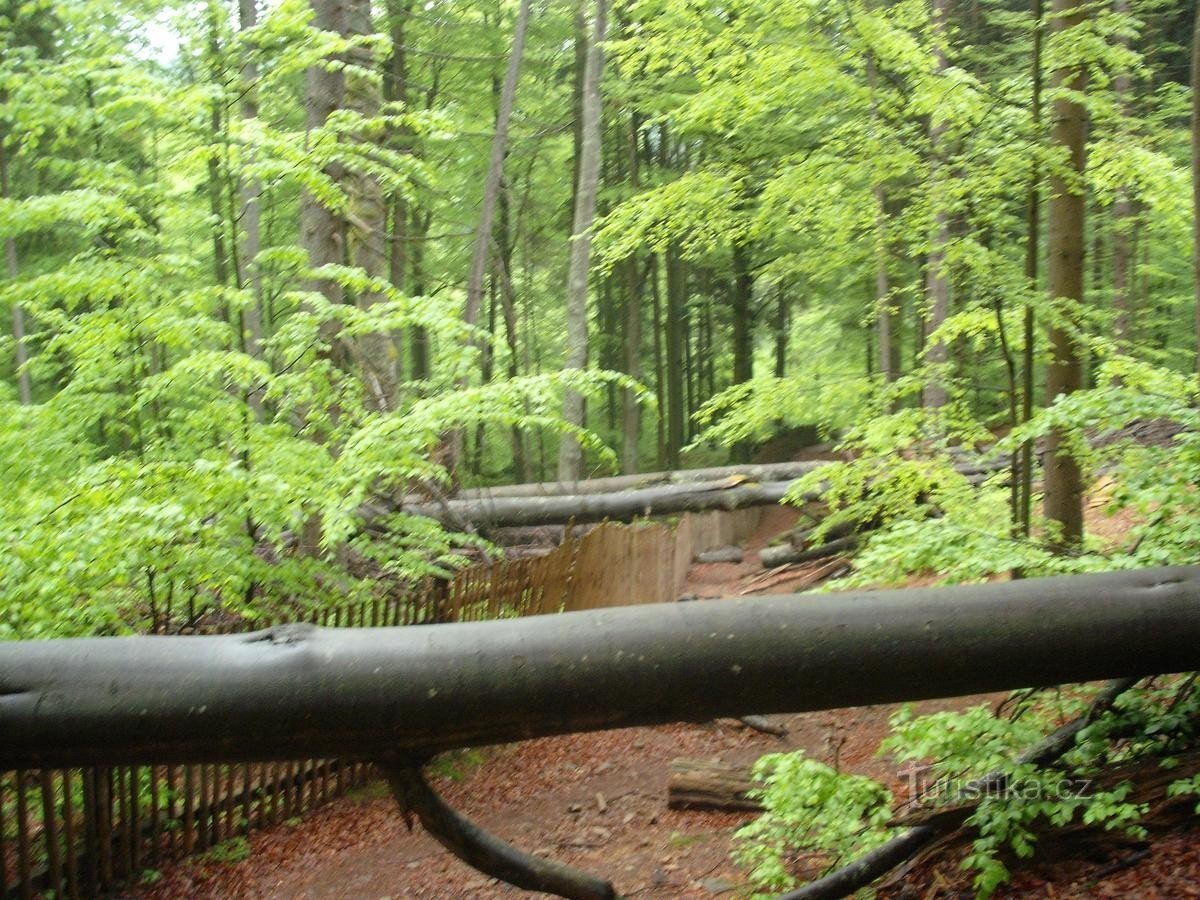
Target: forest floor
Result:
[598, 801]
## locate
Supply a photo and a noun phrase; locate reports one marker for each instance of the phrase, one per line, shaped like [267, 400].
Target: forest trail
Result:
[598, 801]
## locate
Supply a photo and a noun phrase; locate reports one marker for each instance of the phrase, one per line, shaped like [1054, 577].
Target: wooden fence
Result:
[81, 833]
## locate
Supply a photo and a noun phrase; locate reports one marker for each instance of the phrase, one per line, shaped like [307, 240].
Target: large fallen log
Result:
[494, 512]
[394, 693]
[786, 471]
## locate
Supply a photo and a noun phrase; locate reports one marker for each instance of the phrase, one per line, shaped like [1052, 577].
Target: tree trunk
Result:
[937, 281]
[570, 453]
[367, 221]
[1033, 217]
[322, 230]
[1065, 273]
[481, 248]
[24, 382]
[631, 418]
[250, 218]
[1196, 177]
[889, 356]
[673, 373]
[301, 692]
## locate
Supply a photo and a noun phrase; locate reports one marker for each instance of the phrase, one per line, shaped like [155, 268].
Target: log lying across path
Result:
[300, 691]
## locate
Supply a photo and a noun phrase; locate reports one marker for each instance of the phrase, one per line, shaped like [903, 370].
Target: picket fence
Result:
[87, 832]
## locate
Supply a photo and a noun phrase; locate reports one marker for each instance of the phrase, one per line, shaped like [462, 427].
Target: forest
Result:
[285, 280]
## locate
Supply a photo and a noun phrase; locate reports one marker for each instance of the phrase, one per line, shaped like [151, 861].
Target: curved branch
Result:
[483, 851]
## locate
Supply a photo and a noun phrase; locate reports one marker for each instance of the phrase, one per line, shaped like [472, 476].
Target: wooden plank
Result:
[155, 848]
[69, 837]
[50, 831]
[91, 833]
[188, 833]
[135, 822]
[201, 808]
[247, 797]
[24, 859]
[104, 822]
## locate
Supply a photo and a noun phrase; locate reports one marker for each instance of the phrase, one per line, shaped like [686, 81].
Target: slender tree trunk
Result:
[24, 382]
[481, 248]
[250, 219]
[1065, 274]
[937, 283]
[631, 413]
[673, 373]
[782, 322]
[1033, 216]
[570, 453]
[419, 342]
[1196, 177]
[1123, 221]
[885, 322]
[660, 386]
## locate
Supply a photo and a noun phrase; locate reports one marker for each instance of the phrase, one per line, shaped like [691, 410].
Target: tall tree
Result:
[570, 453]
[250, 193]
[1065, 278]
[937, 280]
[24, 382]
[1196, 179]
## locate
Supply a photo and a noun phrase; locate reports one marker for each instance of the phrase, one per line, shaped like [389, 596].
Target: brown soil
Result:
[598, 801]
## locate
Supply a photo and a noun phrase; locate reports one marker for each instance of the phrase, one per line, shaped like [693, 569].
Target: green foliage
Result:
[230, 852]
[808, 805]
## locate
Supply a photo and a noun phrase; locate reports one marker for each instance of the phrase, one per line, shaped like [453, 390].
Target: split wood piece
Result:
[871, 866]
[784, 574]
[483, 851]
[694, 784]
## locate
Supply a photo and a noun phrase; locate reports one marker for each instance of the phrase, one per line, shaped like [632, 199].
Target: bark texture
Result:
[570, 453]
[1065, 274]
[385, 693]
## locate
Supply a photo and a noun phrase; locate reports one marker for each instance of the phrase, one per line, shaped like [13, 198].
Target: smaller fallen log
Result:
[764, 725]
[721, 555]
[772, 557]
[694, 784]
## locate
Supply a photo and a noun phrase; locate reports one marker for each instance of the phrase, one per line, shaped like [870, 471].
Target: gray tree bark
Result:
[24, 382]
[250, 193]
[570, 453]
[937, 282]
[1065, 272]
[297, 691]
[322, 232]
[367, 241]
[1196, 177]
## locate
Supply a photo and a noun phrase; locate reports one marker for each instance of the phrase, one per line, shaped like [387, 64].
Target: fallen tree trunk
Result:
[772, 557]
[495, 512]
[694, 784]
[787, 471]
[387, 693]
